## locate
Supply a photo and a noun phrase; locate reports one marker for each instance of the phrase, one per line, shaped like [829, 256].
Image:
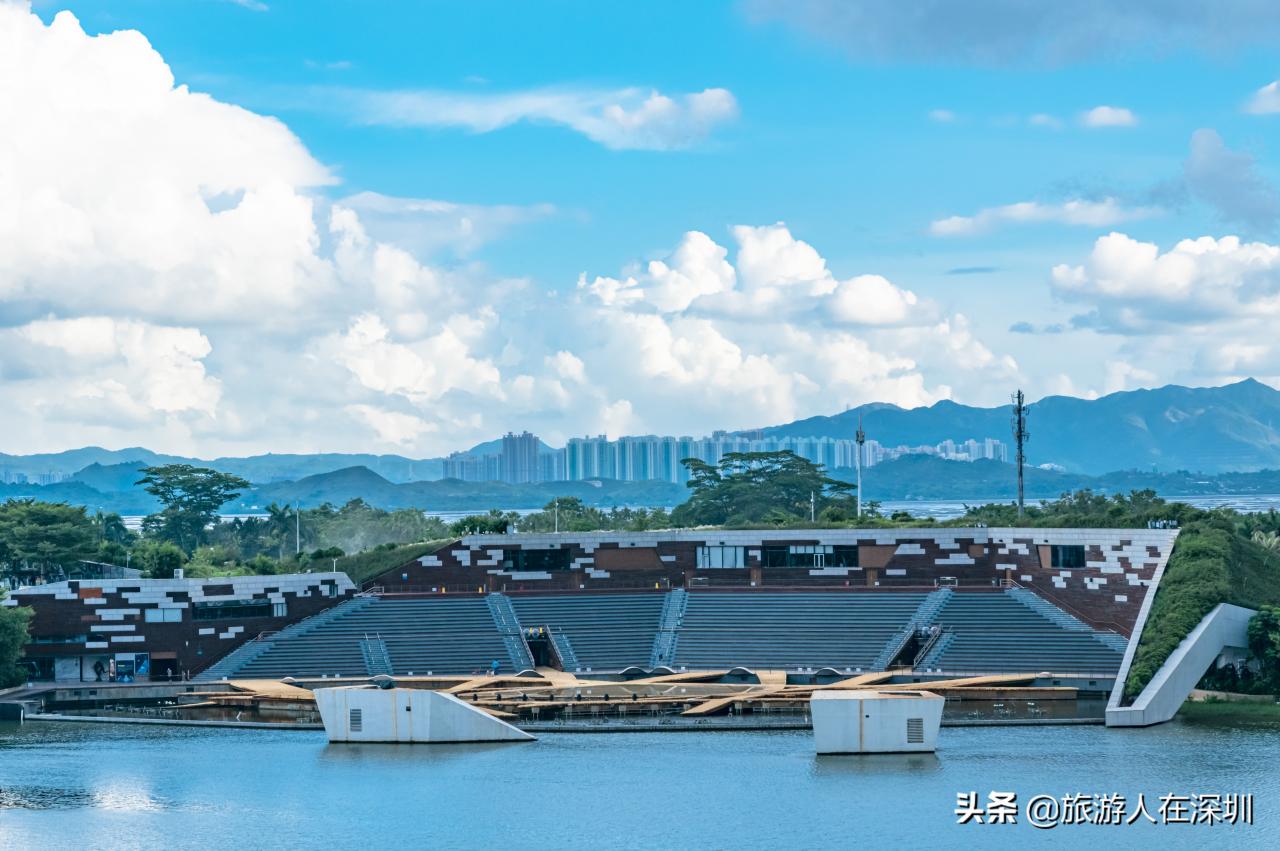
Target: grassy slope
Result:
[364, 566]
[1226, 714]
[1210, 565]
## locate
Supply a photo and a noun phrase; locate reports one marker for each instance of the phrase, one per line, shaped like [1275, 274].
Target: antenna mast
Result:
[860, 437]
[1020, 438]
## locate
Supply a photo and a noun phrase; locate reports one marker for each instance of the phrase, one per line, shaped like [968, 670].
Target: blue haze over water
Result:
[90, 786]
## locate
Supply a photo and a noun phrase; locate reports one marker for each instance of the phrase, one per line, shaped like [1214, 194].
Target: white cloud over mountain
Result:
[174, 272]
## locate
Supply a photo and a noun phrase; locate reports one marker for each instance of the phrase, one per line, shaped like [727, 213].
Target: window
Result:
[1067, 556]
[162, 615]
[227, 609]
[809, 555]
[529, 560]
[722, 556]
[279, 610]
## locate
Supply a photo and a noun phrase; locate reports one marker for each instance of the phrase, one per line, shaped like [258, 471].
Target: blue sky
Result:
[878, 138]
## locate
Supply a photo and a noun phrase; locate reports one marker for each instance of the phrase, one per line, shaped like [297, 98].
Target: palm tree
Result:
[279, 519]
[1269, 541]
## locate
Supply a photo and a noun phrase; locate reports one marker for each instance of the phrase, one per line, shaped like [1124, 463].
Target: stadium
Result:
[818, 605]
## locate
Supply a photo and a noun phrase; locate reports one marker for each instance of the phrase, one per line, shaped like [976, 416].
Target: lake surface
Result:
[88, 786]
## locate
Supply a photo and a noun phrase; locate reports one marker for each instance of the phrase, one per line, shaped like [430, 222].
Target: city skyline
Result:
[637, 458]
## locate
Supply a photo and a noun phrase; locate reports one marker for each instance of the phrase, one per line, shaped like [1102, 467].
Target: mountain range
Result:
[1233, 428]
[1215, 432]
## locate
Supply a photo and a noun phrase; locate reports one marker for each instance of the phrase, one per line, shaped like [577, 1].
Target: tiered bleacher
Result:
[608, 632]
[981, 632]
[788, 631]
[996, 632]
[442, 635]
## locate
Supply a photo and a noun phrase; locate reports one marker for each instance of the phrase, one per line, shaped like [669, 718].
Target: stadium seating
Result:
[789, 631]
[439, 634]
[996, 632]
[983, 632]
[608, 632]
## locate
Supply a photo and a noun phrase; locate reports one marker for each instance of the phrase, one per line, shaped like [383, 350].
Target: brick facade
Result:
[1119, 565]
[79, 623]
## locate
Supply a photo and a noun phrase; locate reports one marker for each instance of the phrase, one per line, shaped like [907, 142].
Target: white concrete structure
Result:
[370, 714]
[854, 721]
[1227, 626]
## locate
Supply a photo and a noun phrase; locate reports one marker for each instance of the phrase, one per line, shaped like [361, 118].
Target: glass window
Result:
[224, 610]
[809, 555]
[722, 556]
[557, 559]
[162, 615]
[1067, 556]
[279, 610]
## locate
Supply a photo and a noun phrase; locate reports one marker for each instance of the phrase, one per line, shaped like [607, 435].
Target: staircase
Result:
[227, 666]
[1048, 610]
[929, 609]
[664, 643]
[893, 647]
[568, 659]
[922, 618]
[376, 658]
[508, 625]
[940, 646]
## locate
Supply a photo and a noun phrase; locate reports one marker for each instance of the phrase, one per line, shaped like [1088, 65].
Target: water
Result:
[949, 509]
[87, 786]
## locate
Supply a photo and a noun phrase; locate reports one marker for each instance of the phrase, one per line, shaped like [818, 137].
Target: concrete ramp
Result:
[411, 716]
[1225, 626]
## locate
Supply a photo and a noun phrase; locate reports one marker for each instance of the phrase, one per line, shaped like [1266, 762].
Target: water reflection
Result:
[125, 797]
[391, 753]
[43, 798]
[875, 764]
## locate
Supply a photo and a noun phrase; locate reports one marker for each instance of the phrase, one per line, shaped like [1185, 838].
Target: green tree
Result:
[191, 497]
[759, 487]
[494, 523]
[13, 639]
[157, 559]
[1264, 643]
[43, 537]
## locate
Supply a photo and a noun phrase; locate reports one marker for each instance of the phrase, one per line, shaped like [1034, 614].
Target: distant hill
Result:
[341, 486]
[1234, 428]
[256, 468]
[1205, 429]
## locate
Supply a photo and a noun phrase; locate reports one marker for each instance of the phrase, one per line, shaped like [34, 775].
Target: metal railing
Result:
[1053, 598]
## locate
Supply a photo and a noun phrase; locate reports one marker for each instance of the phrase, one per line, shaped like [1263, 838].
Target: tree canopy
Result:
[41, 536]
[13, 638]
[760, 487]
[191, 497]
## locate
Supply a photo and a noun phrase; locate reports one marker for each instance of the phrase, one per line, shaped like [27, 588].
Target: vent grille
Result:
[357, 720]
[915, 731]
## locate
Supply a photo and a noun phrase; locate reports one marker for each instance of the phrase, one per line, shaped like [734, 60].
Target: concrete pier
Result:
[846, 722]
[418, 716]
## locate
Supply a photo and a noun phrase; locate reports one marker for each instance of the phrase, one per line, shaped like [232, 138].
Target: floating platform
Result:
[411, 716]
[882, 721]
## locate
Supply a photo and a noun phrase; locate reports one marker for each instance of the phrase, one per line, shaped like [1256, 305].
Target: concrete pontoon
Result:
[412, 716]
[881, 721]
